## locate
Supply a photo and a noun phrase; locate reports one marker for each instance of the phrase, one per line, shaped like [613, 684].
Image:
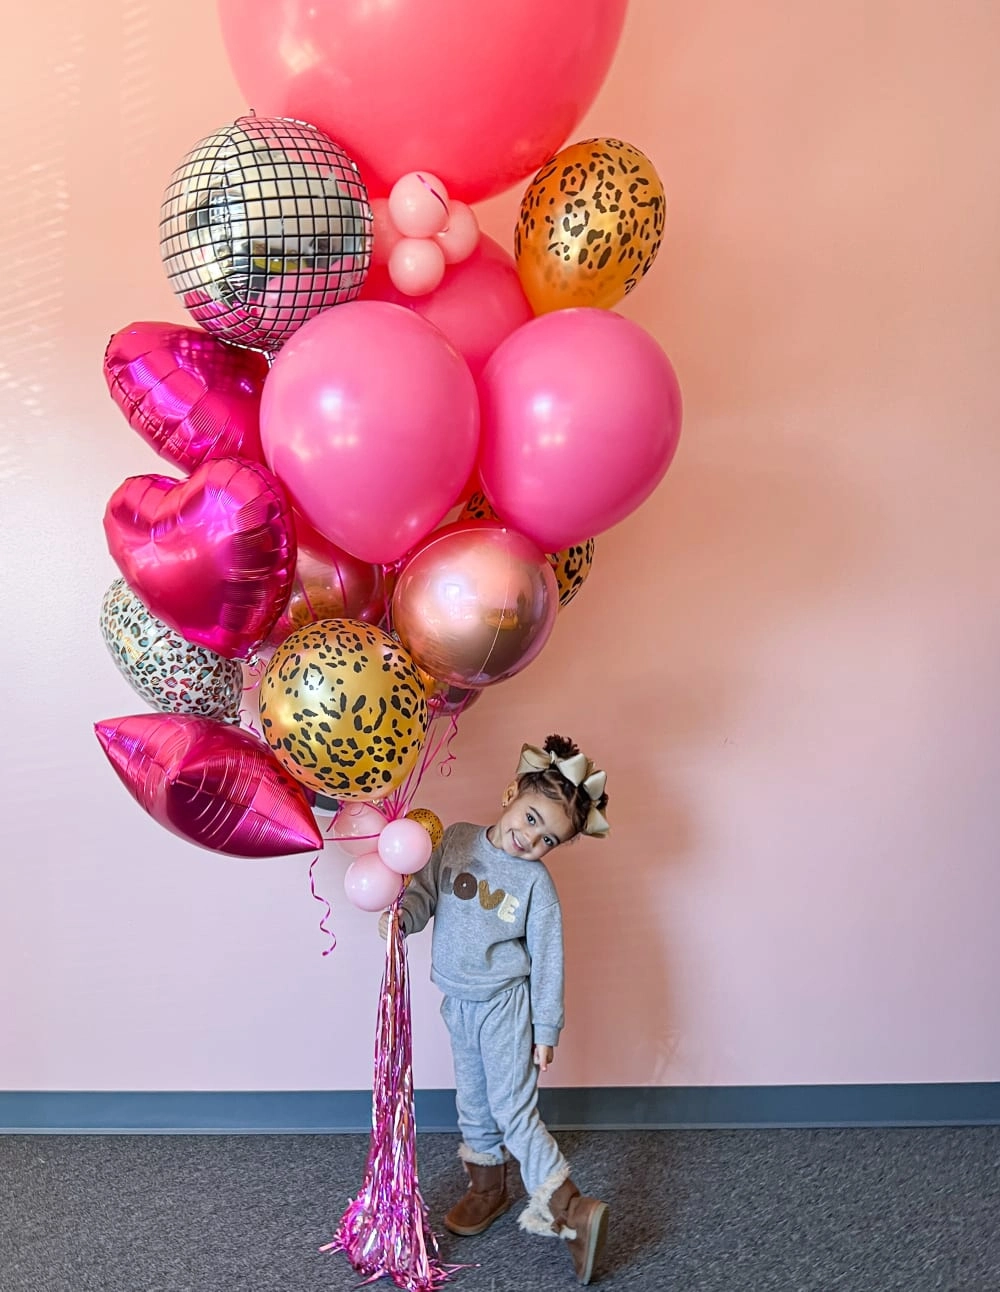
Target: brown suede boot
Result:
[583, 1225]
[484, 1201]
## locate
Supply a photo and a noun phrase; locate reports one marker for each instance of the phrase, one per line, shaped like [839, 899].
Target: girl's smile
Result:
[530, 826]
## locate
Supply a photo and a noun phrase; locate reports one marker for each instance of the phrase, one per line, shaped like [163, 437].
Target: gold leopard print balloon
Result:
[590, 226]
[430, 821]
[477, 508]
[343, 707]
[571, 566]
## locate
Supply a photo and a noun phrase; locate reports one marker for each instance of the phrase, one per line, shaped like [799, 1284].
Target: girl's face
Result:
[530, 826]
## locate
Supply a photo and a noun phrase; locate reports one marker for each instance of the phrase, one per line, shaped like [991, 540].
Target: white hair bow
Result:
[578, 770]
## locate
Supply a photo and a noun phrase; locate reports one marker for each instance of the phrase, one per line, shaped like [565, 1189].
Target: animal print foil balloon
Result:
[264, 224]
[169, 672]
[590, 226]
[343, 707]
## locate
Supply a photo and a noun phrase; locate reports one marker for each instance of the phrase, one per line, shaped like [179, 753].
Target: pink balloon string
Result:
[255, 671]
[431, 189]
[329, 909]
[385, 1231]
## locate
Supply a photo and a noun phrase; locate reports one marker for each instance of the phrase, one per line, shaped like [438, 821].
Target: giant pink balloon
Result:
[370, 418]
[581, 417]
[210, 783]
[212, 556]
[481, 92]
[479, 303]
[190, 396]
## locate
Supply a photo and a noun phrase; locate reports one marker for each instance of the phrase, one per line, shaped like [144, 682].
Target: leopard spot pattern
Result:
[344, 708]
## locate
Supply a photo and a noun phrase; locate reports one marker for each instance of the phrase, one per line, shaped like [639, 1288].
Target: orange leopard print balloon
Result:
[590, 226]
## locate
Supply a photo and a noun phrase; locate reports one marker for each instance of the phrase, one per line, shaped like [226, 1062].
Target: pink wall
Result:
[787, 659]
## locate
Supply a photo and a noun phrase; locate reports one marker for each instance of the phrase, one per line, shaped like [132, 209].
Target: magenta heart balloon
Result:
[190, 396]
[210, 783]
[212, 556]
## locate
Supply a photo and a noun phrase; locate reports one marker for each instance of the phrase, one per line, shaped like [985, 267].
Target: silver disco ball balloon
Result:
[264, 224]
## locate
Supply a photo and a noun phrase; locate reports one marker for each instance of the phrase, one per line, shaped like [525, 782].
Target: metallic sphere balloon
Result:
[475, 603]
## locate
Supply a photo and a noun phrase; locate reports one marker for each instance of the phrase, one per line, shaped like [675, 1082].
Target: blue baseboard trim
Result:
[277, 1112]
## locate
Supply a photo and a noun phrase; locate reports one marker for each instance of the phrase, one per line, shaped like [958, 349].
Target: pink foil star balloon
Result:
[210, 783]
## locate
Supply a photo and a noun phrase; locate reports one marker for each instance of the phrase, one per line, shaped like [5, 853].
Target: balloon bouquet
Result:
[365, 366]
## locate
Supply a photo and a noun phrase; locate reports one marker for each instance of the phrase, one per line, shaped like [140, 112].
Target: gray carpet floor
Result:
[692, 1211]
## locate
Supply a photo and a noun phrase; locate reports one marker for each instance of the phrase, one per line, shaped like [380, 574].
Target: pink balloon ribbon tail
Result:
[385, 1231]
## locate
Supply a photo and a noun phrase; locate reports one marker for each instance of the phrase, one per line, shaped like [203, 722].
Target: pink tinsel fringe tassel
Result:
[385, 1231]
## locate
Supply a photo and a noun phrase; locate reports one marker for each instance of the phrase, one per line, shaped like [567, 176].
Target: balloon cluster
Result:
[419, 230]
[363, 366]
[364, 361]
[382, 851]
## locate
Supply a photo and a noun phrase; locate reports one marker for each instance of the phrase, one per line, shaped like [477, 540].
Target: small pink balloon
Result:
[416, 266]
[478, 304]
[370, 885]
[210, 783]
[460, 236]
[418, 205]
[404, 846]
[384, 232]
[357, 828]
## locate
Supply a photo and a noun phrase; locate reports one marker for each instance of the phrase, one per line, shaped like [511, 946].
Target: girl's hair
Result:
[554, 785]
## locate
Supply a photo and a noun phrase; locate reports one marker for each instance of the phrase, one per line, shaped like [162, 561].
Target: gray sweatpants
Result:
[495, 1082]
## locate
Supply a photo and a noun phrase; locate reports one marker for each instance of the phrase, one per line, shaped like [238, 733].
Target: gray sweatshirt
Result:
[497, 922]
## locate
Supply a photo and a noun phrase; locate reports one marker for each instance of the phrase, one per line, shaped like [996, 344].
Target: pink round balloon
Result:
[590, 400]
[416, 266]
[460, 236]
[475, 603]
[370, 418]
[357, 828]
[370, 885]
[190, 396]
[212, 556]
[418, 205]
[210, 783]
[478, 304]
[402, 848]
[480, 94]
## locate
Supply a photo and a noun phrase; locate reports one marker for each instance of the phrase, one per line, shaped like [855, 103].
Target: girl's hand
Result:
[383, 925]
[544, 1054]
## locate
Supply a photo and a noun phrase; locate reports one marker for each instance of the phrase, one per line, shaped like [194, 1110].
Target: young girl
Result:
[497, 956]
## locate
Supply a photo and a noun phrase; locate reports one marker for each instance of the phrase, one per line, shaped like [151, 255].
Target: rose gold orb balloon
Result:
[330, 584]
[475, 603]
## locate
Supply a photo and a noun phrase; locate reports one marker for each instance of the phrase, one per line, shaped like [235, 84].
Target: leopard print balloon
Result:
[571, 566]
[430, 821]
[344, 709]
[169, 672]
[590, 226]
[477, 508]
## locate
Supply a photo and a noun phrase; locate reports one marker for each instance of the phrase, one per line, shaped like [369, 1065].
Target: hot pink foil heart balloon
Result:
[188, 395]
[213, 556]
[210, 783]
